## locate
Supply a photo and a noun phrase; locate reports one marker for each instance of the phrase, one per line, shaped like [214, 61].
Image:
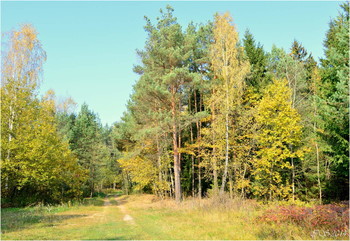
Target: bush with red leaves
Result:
[330, 216]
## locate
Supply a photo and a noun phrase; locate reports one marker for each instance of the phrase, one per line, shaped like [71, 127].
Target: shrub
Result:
[332, 216]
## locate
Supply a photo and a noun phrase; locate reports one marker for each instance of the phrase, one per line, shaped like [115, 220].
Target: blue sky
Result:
[91, 45]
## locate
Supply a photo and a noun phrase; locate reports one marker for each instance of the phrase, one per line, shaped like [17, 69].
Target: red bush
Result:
[331, 216]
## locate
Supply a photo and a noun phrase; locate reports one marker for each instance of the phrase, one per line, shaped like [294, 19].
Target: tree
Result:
[21, 68]
[298, 52]
[198, 88]
[165, 74]
[283, 65]
[65, 118]
[87, 144]
[335, 107]
[35, 159]
[258, 77]
[230, 70]
[279, 129]
[317, 158]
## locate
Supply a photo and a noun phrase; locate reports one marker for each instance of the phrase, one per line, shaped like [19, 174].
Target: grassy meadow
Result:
[147, 217]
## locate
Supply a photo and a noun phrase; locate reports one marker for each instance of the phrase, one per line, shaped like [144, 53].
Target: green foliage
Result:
[95, 150]
[334, 109]
[158, 107]
[258, 77]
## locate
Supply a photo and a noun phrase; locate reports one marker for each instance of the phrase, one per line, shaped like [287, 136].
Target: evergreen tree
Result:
[335, 103]
[258, 77]
[87, 145]
[165, 74]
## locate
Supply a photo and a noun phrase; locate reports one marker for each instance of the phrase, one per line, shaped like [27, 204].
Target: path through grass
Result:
[101, 219]
[144, 217]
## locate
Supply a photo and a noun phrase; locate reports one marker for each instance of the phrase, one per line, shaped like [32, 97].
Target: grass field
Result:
[146, 217]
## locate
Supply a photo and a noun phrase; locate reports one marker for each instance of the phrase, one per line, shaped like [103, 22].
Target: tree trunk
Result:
[177, 164]
[199, 136]
[318, 173]
[199, 183]
[191, 136]
[230, 184]
[224, 176]
[214, 159]
[243, 177]
[177, 170]
[11, 121]
[125, 182]
[292, 159]
[270, 183]
[317, 153]
[192, 163]
[160, 178]
[215, 176]
[293, 179]
[172, 190]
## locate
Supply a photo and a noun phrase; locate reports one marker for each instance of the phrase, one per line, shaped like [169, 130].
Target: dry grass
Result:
[214, 218]
[153, 218]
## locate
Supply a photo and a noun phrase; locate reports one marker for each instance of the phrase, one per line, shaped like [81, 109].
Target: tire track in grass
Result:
[127, 217]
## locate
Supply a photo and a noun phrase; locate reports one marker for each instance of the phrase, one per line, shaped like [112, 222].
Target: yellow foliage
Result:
[32, 152]
[142, 170]
[280, 129]
[230, 69]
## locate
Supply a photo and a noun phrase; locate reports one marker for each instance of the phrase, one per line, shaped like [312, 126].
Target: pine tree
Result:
[165, 74]
[335, 107]
[87, 144]
[258, 77]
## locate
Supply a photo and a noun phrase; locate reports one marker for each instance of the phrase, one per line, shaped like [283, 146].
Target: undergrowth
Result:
[331, 218]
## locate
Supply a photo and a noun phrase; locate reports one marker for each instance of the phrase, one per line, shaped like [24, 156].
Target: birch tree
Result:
[230, 70]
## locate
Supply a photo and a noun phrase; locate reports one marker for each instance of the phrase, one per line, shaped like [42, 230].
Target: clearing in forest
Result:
[147, 217]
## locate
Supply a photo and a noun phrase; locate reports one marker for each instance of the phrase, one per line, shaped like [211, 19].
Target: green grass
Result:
[153, 219]
[87, 220]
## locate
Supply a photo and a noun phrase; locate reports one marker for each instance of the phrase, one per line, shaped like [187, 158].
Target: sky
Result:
[91, 46]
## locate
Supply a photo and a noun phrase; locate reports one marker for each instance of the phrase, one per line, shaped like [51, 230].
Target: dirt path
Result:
[107, 205]
[127, 218]
[106, 202]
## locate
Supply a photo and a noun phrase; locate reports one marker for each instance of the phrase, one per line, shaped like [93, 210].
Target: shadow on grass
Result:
[98, 201]
[93, 202]
[123, 238]
[15, 220]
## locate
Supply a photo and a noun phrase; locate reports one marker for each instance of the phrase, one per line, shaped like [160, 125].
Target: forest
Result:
[210, 115]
